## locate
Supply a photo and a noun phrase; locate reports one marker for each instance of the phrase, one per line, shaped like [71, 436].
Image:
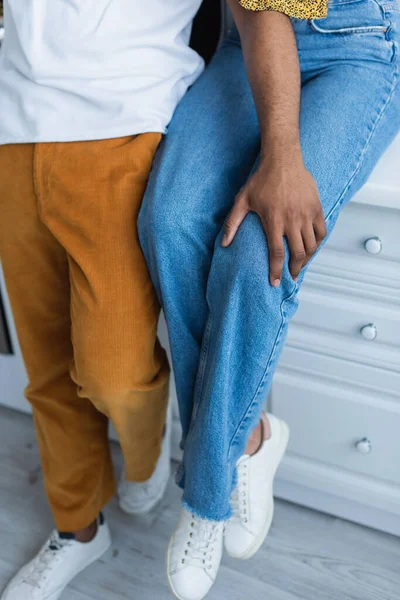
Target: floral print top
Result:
[298, 9]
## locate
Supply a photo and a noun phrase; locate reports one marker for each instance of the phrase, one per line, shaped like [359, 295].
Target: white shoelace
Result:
[48, 557]
[239, 499]
[201, 543]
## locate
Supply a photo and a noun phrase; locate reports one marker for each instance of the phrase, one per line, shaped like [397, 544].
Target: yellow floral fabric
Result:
[298, 9]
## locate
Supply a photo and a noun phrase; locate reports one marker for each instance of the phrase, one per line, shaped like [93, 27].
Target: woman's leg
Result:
[206, 157]
[350, 113]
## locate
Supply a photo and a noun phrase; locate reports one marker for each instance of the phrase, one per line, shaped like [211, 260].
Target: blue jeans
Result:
[226, 324]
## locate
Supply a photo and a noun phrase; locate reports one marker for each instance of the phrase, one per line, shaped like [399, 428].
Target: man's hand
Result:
[285, 197]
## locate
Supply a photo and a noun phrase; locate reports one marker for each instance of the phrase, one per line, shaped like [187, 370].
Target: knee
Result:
[244, 265]
[115, 385]
[102, 391]
[117, 401]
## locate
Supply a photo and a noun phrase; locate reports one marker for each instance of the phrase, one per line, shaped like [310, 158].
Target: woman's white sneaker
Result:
[253, 500]
[194, 556]
[141, 498]
[53, 568]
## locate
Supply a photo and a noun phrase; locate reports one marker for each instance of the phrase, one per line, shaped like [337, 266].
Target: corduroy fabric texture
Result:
[85, 311]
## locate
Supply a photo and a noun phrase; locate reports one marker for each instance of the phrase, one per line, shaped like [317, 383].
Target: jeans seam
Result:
[267, 368]
[349, 30]
[202, 368]
[365, 147]
[333, 3]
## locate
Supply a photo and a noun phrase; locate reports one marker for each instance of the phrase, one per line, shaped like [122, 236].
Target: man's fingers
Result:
[297, 252]
[233, 221]
[276, 250]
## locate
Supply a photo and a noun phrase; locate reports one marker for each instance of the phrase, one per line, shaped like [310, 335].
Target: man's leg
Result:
[90, 198]
[74, 269]
[72, 434]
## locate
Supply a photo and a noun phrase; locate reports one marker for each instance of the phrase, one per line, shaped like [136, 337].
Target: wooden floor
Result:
[307, 555]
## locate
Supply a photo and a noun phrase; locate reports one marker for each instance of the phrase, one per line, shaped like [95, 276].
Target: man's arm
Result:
[282, 192]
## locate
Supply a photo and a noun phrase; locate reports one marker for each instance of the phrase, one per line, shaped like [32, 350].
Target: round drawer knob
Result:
[373, 245]
[369, 332]
[364, 446]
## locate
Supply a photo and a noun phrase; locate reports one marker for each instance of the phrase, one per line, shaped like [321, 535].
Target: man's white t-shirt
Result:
[75, 70]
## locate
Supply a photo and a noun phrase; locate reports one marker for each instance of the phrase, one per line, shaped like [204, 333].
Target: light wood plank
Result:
[307, 556]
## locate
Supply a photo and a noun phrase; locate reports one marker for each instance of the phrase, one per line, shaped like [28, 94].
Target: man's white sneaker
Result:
[193, 556]
[141, 498]
[58, 562]
[253, 500]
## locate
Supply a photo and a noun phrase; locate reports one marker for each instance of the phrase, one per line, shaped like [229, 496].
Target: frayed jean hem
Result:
[201, 515]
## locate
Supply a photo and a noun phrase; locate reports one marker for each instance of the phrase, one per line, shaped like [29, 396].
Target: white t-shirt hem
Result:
[87, 136]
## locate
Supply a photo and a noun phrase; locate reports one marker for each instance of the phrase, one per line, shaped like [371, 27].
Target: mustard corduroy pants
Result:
[85, 311]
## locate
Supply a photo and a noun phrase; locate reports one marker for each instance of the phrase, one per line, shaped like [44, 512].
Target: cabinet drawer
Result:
[368, 231]
[337, 427]
[338, 369]
[368, 327]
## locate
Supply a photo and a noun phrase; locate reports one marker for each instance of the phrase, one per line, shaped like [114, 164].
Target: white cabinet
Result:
[338, 381]
[12, 372]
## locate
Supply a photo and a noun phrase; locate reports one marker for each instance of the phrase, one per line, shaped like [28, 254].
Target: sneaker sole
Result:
[171, 589]
[259, 540]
